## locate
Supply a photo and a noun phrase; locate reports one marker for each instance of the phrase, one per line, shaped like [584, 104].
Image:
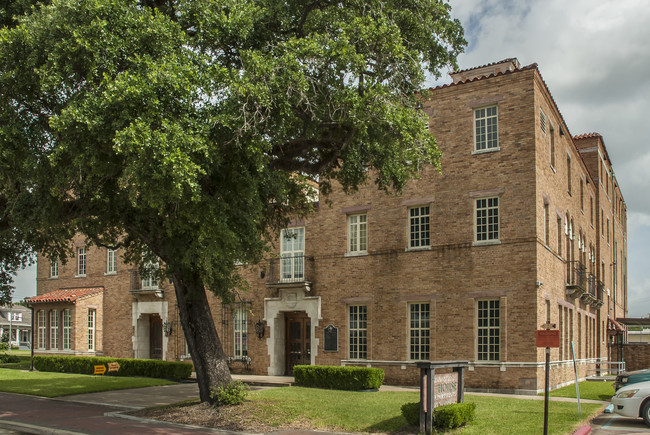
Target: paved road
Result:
[613, 424]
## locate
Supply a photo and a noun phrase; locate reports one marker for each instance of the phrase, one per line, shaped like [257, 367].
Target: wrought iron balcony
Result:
[144, 285]
[289, 269]
[576, 278]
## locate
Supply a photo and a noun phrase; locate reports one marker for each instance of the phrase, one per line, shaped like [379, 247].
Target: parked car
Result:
[633, 377]
[633, 401]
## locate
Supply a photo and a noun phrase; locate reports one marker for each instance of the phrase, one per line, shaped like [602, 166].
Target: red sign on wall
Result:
[548, 338]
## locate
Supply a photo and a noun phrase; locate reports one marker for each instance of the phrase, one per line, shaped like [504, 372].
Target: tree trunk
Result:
[198, 324]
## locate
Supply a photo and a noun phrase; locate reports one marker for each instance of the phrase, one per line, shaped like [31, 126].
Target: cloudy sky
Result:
[594, 56]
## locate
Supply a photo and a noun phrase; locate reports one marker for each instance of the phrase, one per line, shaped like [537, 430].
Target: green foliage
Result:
[8, 359]
[339, 378]
[411, 413]
[233, 393]
[128, 367]
[444, 416]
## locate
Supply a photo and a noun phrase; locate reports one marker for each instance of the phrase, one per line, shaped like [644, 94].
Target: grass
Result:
[48, 384]
[588, 390]
[380, 411]
[22, 356]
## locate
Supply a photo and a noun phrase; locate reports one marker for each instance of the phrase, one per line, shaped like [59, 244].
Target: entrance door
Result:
[298, 340]
[155, 336]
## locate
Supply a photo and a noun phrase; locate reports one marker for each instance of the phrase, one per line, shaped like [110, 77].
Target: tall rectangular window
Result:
[542, 121]
[67, 327]
[591, 210]
[559, 236]
[607, 230]
[54, 330]
[91, 328]
[292, 253]
[487, 219]
[552, 145]
[54, 268]
[358, 233]
[241, 331]
[358, 330]
[582, 195]
[486, 129]
[568, 174]
[547, 224]
[489, 330]
[419, 331]
[81, 261]
[150, 275]
[40, 321]
[111, 261]
[419, 227]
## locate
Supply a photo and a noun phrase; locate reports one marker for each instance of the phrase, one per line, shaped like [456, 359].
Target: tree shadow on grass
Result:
[395, 425]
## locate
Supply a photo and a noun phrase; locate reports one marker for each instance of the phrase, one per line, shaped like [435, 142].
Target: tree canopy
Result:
[192, 129]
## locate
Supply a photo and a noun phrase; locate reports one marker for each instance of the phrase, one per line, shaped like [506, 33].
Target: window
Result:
[552, 146]
[16, 317]
[582, 195]
[111, 261]
[358, 316]
[292, 253]
[358, 233]
[150, 276]
[54, 330]
[542, 120]
[67, 325]
[489, 339]
[419, 227]
[485, 129]
[54, 268]
[241, 331]
[487, 219]
[559, 236]
[40, 318]
[607, 230]
[547, 224]
[91, 329]
[568, 174]
[591, 210]
[419, 331]
[81, 261]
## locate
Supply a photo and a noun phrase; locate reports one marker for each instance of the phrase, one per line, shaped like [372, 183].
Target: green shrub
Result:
[4, 346]
[444, 417]
[230, 394]
[339, 378]
[6, 358]
[411, 413]
[149, 368]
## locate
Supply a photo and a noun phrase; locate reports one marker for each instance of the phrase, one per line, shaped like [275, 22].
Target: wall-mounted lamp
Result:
[259, 329]
[262, 273]
[167, 328]
[539, 283]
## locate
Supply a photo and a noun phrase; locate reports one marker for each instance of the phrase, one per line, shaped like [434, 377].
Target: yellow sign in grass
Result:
[113, 367]
[100, 369]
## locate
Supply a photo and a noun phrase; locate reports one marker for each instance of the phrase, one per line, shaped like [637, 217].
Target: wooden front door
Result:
[155, 336]
[298, 340]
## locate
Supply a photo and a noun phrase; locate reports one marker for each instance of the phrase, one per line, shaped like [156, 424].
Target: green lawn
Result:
[380, 411]
[48, 384]
[588, 390]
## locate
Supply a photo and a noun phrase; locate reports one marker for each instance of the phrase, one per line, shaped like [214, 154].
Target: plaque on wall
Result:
[331, 338]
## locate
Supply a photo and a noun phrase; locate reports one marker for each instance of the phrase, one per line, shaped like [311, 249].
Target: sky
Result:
[595, 58]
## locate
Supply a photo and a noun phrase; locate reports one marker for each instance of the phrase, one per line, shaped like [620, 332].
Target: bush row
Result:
[149, 368]
[444, 417]
[339, 378]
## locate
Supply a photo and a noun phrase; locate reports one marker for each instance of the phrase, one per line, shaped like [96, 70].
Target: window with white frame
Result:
[489, 330]
[150, 276]
[487, 219]
[292, 254]
[67, 328]
[241, 331]
[92, 315]
[358, 233]
[111, 261]
[54, 268]
[358, 331]
[419, 331]
[54, 329]
[40, 322]
[81, 261]
[419, 227]
[486, 129]
[16, 317]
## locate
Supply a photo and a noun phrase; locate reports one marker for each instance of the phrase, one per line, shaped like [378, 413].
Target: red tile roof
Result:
[64, 295]
[510, 59]
[587, 135]
[613, 326]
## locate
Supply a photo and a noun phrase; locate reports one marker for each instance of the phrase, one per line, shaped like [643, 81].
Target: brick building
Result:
[524, 225]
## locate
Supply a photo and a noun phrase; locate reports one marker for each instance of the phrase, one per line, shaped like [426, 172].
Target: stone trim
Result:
[418, 201]
[485, 101]
[356, 300]
[355, 209]
[497, 191]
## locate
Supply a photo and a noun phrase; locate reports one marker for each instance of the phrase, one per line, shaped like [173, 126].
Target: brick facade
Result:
[550, 259]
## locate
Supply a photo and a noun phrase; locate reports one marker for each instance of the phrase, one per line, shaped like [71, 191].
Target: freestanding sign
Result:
[439, 390]
[548, 337]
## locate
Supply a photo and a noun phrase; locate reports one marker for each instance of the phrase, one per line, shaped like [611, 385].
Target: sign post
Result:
[547, 337]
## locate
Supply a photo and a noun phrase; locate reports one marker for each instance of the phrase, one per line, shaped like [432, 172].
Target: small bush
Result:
[4, 346]
[149, 368]
[231, 394]
[8, 359]
[444, 417]
[339, 378]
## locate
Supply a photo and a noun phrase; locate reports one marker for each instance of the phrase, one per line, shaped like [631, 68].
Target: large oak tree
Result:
[189, 130]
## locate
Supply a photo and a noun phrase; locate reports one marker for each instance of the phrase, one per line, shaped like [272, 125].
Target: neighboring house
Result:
[525, 225]
[16, 322]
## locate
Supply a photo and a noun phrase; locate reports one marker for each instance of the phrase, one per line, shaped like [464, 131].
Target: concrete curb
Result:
[584, 430]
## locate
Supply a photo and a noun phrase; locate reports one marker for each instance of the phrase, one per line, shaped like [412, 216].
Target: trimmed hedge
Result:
[149, 368]
[444, 417]
[338, 378]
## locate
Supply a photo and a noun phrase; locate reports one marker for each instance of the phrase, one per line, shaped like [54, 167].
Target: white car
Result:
[633, 401]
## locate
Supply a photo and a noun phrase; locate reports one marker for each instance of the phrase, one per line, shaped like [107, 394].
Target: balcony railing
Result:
[576, 277]
[290, 269]
[148, 284]
[594, 294]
